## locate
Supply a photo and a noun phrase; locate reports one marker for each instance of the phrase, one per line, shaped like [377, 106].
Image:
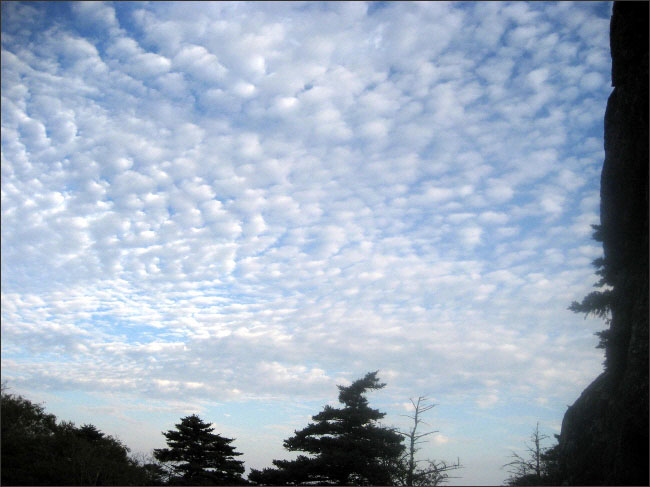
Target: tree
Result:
[599, 303]
[36, 450]
[550, 457]
[90, 457]
[200, 457]
[348, 445]
[435, 473]
[539, 467]
[25, 429]
[154, 471]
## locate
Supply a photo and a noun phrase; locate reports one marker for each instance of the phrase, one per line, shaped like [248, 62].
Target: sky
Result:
[230, 208]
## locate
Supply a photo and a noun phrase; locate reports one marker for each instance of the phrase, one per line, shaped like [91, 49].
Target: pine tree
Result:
[200, 457]
[599, 303]
[348, 445]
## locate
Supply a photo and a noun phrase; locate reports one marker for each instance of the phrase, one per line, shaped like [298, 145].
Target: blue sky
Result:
[230, 208]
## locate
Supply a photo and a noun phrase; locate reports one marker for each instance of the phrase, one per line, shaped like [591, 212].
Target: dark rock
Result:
[604, 438]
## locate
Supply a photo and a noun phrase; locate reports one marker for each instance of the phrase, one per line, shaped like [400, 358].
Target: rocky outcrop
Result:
[604, 438]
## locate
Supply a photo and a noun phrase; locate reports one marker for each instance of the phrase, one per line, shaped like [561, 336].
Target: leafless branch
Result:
[436, 473]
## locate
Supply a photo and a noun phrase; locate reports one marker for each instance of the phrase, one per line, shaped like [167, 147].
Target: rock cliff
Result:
[604, 438]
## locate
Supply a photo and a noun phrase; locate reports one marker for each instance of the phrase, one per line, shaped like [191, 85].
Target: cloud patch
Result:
[239, 202]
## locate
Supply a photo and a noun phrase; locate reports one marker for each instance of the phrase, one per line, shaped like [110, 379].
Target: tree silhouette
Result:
[36, 450]
[200, 457]
[435, 473]
[538, 467]
[599, 303]
[348, 445]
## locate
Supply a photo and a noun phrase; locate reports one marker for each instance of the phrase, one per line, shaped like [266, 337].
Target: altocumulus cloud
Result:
[215, 203]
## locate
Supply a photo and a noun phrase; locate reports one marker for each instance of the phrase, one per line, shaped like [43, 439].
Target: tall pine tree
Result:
[200, 457]
[347, 445]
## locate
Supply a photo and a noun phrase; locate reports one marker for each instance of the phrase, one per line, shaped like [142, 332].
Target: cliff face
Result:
[604, 438]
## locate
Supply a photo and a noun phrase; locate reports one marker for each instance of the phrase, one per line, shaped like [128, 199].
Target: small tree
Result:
[435, 473]
[200, 457]
[154, 471]
[538, 467]
[599, 303]
[348, 445]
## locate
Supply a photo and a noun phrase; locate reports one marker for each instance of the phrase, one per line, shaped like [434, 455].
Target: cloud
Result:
[198, 62]
[471, 235]
[97, 14]
[238, 202]
[487, 401]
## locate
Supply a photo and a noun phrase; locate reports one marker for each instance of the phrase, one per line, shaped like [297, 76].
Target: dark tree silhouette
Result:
[348, 445]
[538, 467]
[200, 457]
[36, 450]
[598, 303]
[26, 428]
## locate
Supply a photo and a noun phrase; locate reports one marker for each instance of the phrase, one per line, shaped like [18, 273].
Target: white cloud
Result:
[498, 191]
[493, 217]
[96, 13]
[552, 203]
[235, 202]
[592, 81]
[487, 401]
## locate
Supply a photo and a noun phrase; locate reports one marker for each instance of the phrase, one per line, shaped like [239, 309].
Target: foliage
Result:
[347, 445]
[598, 303]
[539, 467]
[26, 429]
[198, 456]
[36, 450]
[433, 473]
[155, 472]
[408, 470]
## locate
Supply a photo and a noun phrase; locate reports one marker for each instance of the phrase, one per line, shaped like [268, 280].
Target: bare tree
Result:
[156, 472]
[528, 469]
[435, 473]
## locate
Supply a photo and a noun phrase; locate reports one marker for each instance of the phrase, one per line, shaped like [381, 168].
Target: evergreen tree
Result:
[599, 303]
[348, 445]
[200, 457]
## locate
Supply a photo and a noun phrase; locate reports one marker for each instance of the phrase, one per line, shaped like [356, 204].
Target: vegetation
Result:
[347, 445]
[38, 450]
[538, 467]
[200, 457]
[599, 303]
[410, 473]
